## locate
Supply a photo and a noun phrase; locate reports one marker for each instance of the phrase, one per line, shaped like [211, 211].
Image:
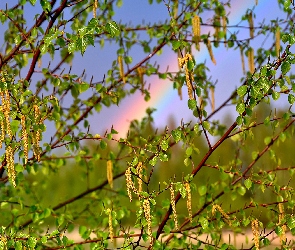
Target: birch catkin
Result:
[278, 41]
[251, 60]
[196, 31]
[251, 24]
[172, 200]
[94, 8]
[281, 219]
[110, 173]
[24, 138]
[224, 27]
[255, 231]
[209, 47]
[121, 69]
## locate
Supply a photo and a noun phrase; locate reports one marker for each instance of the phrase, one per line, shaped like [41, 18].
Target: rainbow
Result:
[165, 99]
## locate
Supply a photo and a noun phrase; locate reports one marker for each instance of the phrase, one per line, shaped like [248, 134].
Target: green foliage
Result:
[182, 187]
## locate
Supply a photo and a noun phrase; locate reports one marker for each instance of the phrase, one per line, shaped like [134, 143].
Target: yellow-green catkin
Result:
[37, 135]
[147, 215]
[281, 219]
[216, 24]
[25, 138]
[209, 47]
[139, 179]
[94, 8]
[111, 230]
[129, 183]
[141, 71]
[255, 231]
[189, 201]
[6, 110]
[196, 31]
[251, 60]
[172, 200]
[2, 124]
[278, 41]
[225, 216]
[121, 69]
[10, 164]
[212, 93]
[110, 173]
[224, 27]
[188, 74]
[251, 24]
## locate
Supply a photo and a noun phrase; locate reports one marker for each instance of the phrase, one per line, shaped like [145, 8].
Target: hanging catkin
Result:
[110, 173]
[209, 47]
[251, 60]
[121, 69]
[278, 40]
[250, 19]
[224, 27]
[196, 31]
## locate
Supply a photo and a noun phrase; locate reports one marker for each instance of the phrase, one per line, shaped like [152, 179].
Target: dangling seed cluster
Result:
[216, 27]
[94, 8]
[10, 165]
[2, 136]
[212, 98]
[139, 179]
[141, 71]
[224, 27]
[121, 69]
[278, 41]
[110, 173]
[172, 200]
[36, 137]
[6, 110]
[255, 231]
[188, 74]
[209, 47]
[25, 138]
[251, 60]
[147, 215]
[281, 219]
[189, 201]
[111, 230]
[225, 216]
[196, 30]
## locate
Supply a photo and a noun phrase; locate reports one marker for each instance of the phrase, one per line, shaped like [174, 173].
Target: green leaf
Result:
[248, 183]
[153, 161]
[275, 95]
[240, 108]
[32, 241]
[112, 28]
[204, 222]
[81, 44]
[291, 98]
[33, 2]
[176, 134]
[202, 190]
[164, 145]
[291, 222]
[242, 90]
[72, 47]
[191, 104]
[241, 190]
[285, 67]
[206, 125]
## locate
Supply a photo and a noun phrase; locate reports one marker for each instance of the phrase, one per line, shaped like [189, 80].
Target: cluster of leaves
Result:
[241, 171]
